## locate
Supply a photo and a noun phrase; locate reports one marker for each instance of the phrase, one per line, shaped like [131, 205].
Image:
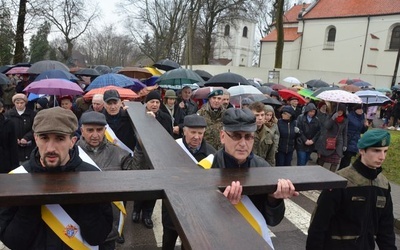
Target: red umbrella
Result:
[349, 81]
[277, 86]
[123, 93]
[202, 93]
[286, 94]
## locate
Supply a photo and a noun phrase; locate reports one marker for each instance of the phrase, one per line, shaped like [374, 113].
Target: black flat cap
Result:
[215, 93]
[194, 121]
[239, 120]
[289, 110]
[93, 117]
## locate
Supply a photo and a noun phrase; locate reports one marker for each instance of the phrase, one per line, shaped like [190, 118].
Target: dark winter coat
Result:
[190, 108]
[177, 118]
[287, 138]
[333, 129]
[308, 130]
[122, 127]
[273, 215]
[354, 217]
[8, 146]
[355, 128]
[23, 129]
[23, 228]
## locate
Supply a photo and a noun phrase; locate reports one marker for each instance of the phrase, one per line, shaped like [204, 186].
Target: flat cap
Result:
[111, 94]
[239, 120]
[293, 98]
[247, 101]
[55, 121]
[194, 121]
[93, 117]
[19, 96]
[215, 93]
[374, 138]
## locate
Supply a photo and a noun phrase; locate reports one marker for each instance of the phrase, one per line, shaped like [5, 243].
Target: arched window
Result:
[395, 38]
[227, 30]
[330, 38]
[245, 31]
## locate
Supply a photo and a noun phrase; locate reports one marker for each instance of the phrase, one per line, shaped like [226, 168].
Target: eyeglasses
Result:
[238, 137]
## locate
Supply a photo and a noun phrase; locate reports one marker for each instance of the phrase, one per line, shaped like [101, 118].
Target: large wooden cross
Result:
[204, 218]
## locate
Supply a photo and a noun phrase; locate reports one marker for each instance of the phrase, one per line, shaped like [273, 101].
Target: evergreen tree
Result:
[39, 44]
[6, 37]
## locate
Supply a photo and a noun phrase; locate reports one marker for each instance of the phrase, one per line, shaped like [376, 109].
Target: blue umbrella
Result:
[112, 79]
[56, 74]
[151, 81]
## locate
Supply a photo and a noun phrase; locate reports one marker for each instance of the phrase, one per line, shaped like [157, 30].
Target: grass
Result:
[391, 166]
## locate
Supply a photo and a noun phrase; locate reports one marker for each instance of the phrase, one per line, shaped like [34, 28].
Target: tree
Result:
[39, 45]
[19, 36]
[70, 18]
[279, 5]
[164, 22]
[6, 36]
[105, 46]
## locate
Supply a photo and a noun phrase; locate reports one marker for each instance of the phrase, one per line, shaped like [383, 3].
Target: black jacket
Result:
[273, 215]
[122, 127]
[8, 146]
[287, 138]
[177, 118]
[23, 228]
[23, 129]
[308, 130]
[357, 216]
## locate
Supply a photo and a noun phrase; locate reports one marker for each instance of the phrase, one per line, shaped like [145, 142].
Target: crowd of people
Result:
[42, 138]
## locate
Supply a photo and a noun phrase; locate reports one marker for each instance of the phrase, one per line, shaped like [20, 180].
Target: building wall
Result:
[236, 47]
[355, 50]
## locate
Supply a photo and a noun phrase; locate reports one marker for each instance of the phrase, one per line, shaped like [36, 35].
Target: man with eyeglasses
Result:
[237, 136]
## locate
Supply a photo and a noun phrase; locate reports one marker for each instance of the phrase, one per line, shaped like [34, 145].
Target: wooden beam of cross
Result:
[203, 217]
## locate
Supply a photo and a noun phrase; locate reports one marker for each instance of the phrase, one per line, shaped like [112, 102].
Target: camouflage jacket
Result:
[214, 124]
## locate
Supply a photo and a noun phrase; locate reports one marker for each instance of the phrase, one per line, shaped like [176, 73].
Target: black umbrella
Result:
[166, 64]
[317, 83]
[271, 101]
[265, 89]
[203, 74]
[87, 72]
[227, 80]
[320, 90]
[4, 79]
[5, 68]
[103, 69]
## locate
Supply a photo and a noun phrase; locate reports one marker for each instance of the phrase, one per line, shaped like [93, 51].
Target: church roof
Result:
[352, 8]
[290, 34]
[291, 15]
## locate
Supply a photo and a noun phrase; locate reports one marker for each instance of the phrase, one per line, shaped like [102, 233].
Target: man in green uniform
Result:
[361, 214]
[212, 111]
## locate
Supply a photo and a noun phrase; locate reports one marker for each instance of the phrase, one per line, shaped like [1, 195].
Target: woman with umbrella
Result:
[333, 139]
[357, 125]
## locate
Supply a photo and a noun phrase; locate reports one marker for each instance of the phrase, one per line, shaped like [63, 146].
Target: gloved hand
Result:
[344, 149]
[334, 116]
[296, 130]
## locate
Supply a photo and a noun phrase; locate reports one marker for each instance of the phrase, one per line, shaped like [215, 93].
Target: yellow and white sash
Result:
[245, 206]
[119, 204]
[61, 223]
[112, 137]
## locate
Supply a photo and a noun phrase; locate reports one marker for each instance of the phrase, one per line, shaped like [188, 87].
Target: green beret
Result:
[374, 138]
[215, 93]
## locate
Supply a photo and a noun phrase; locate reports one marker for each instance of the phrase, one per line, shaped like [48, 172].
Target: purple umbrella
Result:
[54, 86]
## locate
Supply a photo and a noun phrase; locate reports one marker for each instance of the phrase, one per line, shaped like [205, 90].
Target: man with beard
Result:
[212, 111]
[33, 227]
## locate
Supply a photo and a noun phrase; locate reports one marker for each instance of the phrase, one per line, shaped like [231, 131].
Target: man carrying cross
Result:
[76, 226]
[237, 136]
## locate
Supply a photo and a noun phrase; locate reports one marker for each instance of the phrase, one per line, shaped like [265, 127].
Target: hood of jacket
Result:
[310, 106]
